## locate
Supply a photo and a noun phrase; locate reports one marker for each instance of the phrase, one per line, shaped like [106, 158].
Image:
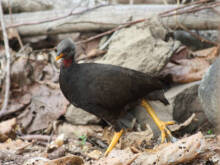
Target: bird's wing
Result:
[113, 87]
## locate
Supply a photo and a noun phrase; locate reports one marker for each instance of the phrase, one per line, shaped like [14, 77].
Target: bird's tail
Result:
[157, 95]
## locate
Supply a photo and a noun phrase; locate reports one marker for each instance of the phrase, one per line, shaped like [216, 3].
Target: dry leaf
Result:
[117, 157]
[14, 146]
[187, 66]
[67, 160]
[73, 160]
[135, 139]
[95, 154]
[46, 106]
[188, 70]
[182, 53]
[182, 151]
[209, 53]
[58, 142]
[7, 129]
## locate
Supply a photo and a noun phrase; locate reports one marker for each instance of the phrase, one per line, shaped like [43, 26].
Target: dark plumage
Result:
[104, 90]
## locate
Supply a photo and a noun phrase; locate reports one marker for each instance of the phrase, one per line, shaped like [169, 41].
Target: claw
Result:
[165, 132]
[114, 141]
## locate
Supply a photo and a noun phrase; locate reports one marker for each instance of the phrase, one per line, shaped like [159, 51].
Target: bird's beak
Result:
[59, 56]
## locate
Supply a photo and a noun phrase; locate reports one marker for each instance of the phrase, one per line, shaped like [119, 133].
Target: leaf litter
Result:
[37, 102]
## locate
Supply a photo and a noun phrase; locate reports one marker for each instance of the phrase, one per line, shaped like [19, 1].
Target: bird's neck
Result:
[68, 62]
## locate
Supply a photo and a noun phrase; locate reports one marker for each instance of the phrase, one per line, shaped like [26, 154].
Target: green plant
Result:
[83, 139]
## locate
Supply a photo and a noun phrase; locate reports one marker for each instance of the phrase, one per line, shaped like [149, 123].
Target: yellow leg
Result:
[161, 124]
[114, 141]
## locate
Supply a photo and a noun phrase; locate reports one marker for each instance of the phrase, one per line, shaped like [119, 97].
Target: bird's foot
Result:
[165, 132]
[114, 141]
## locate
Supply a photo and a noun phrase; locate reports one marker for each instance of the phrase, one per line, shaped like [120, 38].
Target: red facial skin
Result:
[67, 62]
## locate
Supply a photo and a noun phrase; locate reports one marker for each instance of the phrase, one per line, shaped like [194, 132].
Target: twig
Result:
[111, 31]
[57, 18]
[102, 47]
[163, 14]
[129, 162]
[17, 35]
[7, 80]
[202, 39]
[7, 113]
[182, 7]
[37, 137]
[9, 156]
[21, 149]
[191, 10]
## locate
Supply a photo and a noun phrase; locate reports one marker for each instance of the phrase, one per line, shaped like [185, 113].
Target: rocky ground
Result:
[41, 127]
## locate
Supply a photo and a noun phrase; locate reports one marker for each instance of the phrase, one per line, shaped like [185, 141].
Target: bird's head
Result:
[66, 51]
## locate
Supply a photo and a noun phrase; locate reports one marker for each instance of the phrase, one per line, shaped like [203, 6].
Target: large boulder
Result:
[209, 93]
[143, 47]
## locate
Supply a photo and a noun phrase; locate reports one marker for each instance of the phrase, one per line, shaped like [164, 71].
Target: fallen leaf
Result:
[36, 161]
[208, 54]
[182, 53]
[73, 160]
[188, 70]
[117, 157]
[7, 129]
[14, 146]
[46, 106]
[181, 151]
[67, 160]
[58, 142]
[95, 154]
[135, 139]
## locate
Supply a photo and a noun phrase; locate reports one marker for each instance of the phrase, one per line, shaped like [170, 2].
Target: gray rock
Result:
[80, 117]
[194, 43]
[75, 131]
[141, 47]
[185, 101]
[209, 93]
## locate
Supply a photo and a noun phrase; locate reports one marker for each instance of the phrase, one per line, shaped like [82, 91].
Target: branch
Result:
[7, 80]
[111, 31]
[56, 18]
[192, 9]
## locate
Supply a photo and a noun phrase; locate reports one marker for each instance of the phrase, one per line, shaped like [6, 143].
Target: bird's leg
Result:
[160, 124]
[114, 141]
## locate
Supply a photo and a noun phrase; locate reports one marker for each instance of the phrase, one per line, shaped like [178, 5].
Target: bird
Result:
[106, 90]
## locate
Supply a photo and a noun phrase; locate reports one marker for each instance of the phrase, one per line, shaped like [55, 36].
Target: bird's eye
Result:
[67, 50]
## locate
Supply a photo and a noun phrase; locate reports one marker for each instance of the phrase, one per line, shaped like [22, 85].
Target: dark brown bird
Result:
[105, 90]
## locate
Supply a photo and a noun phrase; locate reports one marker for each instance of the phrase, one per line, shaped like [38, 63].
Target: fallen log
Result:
[17, 6]
[107, 17]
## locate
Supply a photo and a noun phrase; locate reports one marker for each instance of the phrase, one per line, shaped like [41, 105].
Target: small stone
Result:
[95, 154]
[80, 117]
[75, 131]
